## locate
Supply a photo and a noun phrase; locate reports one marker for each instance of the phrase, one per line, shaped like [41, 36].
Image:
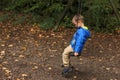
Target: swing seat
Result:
[72, 54]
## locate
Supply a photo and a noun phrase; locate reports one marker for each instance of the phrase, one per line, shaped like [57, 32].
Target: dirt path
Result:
[28, 53]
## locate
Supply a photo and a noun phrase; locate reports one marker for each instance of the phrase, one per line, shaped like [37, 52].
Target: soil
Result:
[29, 53]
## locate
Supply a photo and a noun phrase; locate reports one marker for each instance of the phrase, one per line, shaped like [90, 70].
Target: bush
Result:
[98, 14]
[48, 23]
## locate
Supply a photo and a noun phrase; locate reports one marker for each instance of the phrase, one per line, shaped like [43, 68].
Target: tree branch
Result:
[62, 15]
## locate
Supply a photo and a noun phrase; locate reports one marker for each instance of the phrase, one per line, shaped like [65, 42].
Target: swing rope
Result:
[79, 7]
[79, 10]
[78, 13]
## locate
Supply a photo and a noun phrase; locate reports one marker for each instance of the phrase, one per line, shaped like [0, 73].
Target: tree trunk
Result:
[62, 15]
[115, 10]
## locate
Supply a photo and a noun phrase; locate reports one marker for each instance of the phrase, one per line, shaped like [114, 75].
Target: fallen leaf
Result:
[11, 45]
[94, 78]
[32, 29]
[24, 75]
[113, 79]
[51, 55]
[24, 48]
[80, 59]
[1, 57]
[47, 36]
[101, 51]
[40, 36]
[40, 54]
[17, 79]
[9, 77]
[16, 60]
[60, 36]
[75, 77]
[112, 58]
[2, 45]
[35, 67]
[50, 68]
[92, 57]
[52, 34]
[100, 60]
[76, 68]
[81, 62]
[4, 68]
[108, 69]
[2, 53]
[8, 36]
[0, 65]
[7, 71]
[36, 43]
[13, 54]
[21, 56]
[110, 49]
[52, 50]
[5, 62]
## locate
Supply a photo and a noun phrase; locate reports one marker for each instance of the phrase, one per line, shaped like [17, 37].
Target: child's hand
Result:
[76, 54]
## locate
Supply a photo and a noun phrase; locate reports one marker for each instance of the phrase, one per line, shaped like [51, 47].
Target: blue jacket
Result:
[79, 39]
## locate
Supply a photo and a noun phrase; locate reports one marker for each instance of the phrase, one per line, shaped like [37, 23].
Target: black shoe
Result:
[67, 70]
[69, 66]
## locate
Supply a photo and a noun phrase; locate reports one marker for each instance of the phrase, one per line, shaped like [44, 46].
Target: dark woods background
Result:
[100, 15]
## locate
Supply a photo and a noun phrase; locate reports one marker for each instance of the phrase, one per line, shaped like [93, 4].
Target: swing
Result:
[78, 13]
[64, 74]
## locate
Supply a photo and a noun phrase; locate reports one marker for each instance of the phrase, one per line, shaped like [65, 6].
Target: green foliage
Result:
[68, 22]
[3, 4]
[48, 23]
[99, 14]
[20, 20]
[4, 17]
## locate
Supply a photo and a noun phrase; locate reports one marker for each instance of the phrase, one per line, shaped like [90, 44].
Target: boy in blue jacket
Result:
[77, 43]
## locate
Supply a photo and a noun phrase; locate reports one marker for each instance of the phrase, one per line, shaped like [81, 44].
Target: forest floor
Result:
[29, 53]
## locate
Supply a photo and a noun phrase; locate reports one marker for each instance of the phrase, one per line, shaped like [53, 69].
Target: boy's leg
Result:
[66, 56]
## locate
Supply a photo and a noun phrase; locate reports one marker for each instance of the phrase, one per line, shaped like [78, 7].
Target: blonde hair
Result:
[77, 18]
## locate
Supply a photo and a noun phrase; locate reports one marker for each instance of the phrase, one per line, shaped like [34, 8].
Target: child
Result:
[77, 42]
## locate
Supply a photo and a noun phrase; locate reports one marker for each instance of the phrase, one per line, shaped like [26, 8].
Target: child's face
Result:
[79, 23]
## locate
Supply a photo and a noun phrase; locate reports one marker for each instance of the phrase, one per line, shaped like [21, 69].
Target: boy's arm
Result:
[79, 42]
